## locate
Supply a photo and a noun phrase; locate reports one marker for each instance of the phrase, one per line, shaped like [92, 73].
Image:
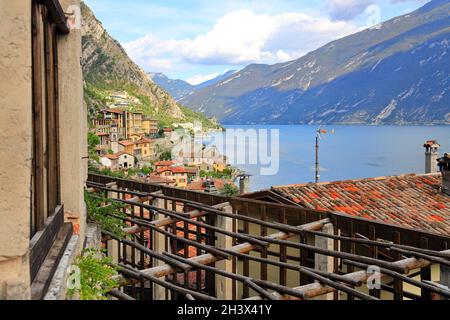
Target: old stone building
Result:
[43, 129]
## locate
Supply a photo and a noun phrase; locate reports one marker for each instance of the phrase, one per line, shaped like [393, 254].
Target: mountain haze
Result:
[394, 73]
[180, 88]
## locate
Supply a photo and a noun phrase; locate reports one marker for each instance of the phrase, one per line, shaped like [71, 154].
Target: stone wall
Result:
[16, 137]
[16, 148]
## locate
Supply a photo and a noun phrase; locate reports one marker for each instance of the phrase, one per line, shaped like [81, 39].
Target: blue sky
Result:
[196, 40]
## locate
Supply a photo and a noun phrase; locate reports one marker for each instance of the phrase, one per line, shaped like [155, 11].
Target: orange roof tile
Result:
[176, 170]
[200, 186]
[164, 163]
[143, 141]
[126, 143]
[413, 201]
[117, 155]
[116, 111]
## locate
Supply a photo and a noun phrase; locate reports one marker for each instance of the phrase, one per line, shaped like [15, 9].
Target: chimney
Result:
[431, 156]
[444, 166]
[244, 184]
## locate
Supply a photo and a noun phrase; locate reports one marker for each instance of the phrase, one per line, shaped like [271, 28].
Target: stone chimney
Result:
[244, 184]
[431, 156]
[444, 166]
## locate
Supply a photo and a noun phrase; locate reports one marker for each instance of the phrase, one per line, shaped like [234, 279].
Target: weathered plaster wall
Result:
[73, 120]
[15, 149]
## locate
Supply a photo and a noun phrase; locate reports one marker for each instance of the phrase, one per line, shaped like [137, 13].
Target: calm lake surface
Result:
[352, 152]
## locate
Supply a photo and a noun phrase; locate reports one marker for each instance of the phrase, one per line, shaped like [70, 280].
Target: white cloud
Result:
[200, 78]
[346, 10]
[242, 37]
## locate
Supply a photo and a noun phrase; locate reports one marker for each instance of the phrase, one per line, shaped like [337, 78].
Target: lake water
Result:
[352, 152]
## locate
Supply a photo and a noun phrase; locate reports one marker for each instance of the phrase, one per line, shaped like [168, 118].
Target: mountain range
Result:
[397, 72]
[180, 89]
[107, 68]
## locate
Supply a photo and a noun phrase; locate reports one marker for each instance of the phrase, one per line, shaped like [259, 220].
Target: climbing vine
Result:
[103, 211]
[95, 276]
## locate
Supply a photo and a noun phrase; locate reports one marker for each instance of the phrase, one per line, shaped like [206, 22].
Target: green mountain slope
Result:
[107, 69]
[394, 73]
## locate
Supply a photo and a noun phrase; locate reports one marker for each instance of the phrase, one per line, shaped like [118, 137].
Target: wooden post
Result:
[322, 262]
[224, 286]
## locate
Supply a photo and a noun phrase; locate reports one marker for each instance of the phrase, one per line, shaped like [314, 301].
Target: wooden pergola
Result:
[196, 246]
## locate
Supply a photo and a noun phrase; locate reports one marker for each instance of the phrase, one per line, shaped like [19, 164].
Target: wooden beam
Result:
[316, 289]
[57, 15]
[207, 259]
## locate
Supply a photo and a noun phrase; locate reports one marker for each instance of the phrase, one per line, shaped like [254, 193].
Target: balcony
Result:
[184, 245]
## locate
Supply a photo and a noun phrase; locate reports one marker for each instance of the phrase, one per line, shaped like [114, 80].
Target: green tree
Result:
[93, 142]
[229, 190]
[166, 156]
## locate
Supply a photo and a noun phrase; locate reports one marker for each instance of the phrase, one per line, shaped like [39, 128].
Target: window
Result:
[46, 196]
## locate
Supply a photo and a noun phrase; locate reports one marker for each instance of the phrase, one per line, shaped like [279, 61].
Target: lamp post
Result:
[319, 133]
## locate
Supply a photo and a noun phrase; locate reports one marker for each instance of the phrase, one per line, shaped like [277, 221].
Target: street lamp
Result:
[319, 134]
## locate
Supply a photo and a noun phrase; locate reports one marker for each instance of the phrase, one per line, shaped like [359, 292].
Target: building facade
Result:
[44, 128]
[117, 161]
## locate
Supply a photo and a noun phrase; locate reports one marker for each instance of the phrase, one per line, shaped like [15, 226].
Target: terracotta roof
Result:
[200, 185]
[176, 170]
[153, 178]
[126, 143]
[102, 134]
[117, 111]
[413, 201]
[117, 155]
[164, 163]
[143, 141]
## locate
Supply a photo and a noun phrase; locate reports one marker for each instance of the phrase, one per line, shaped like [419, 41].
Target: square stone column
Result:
[322, 262]
[224, 286]
[158, 244]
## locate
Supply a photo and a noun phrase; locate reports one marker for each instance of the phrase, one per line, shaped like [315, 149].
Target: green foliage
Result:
[100, 210]
[147, 170]
[93, 142]
[108, 172]
[166, 156]
[97, 276]
[226, 174]
[229, 190]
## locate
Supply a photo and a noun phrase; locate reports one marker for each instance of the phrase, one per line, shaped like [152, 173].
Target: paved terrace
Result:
[186, 245]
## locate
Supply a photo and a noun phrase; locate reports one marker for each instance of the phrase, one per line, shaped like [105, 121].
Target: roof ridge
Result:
[355, 180]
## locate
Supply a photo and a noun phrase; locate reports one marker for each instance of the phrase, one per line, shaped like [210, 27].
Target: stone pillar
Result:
[322, 262]
[112, 194]
[113, 250]
[224, 286]
[72, 117]
[158, 242]
[16, 148]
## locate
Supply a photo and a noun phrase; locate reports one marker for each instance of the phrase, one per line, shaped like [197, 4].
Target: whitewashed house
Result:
[120, 160]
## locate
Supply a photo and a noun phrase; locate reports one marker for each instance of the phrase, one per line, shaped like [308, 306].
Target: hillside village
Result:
[129, 143]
